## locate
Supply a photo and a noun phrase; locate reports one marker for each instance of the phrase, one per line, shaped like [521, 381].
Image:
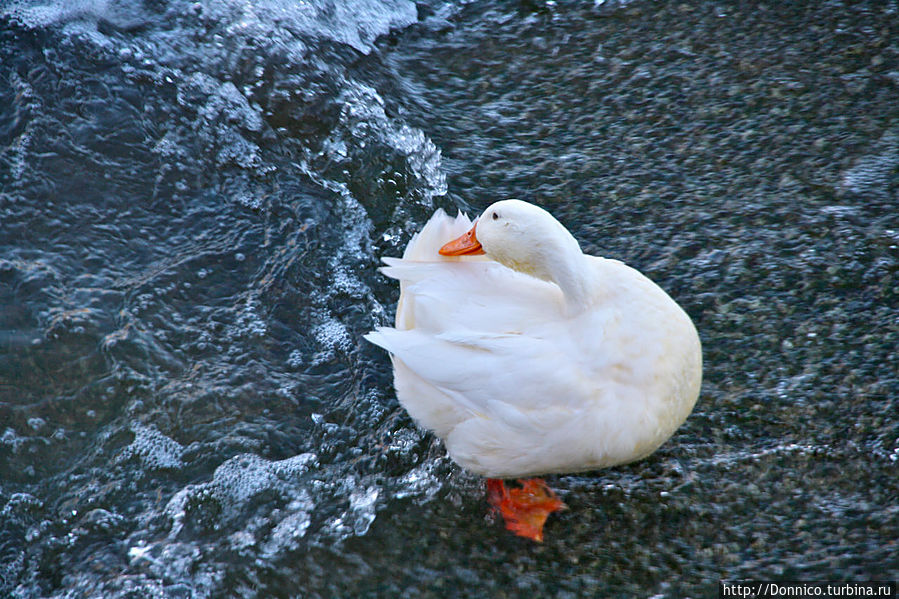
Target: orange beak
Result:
[464, 245]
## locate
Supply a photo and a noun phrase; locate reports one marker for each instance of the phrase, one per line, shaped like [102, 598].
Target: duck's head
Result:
[520, 236]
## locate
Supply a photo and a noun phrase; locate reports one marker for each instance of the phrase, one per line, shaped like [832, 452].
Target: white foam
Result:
[356, 23]
[154, 450]
[120, 13]
[332, 336]
[285, 536]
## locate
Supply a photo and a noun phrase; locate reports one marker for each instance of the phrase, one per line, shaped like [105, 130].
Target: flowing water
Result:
[193, 200]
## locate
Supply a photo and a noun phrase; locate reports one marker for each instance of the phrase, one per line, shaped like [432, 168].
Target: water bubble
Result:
[295, 360]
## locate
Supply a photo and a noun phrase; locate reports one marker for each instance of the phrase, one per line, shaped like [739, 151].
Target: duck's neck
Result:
[575, 277]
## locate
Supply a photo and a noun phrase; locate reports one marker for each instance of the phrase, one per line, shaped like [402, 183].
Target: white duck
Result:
[529, 357]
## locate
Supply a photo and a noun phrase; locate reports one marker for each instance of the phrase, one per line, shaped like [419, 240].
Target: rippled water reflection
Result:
[193, 198]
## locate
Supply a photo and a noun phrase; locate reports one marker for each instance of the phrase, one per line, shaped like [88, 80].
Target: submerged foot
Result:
[524, 510]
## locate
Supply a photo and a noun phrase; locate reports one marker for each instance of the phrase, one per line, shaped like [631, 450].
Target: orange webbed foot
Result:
[524, 510]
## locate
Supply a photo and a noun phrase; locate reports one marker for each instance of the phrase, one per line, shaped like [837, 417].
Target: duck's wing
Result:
[474, 295]
[478, 331]
[423, 249]
[475, 368]
[439, 229]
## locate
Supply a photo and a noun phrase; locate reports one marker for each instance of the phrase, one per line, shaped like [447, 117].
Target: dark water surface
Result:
[193, 200]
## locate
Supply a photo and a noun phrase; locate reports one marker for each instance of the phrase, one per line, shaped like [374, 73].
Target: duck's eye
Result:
[495, 216]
